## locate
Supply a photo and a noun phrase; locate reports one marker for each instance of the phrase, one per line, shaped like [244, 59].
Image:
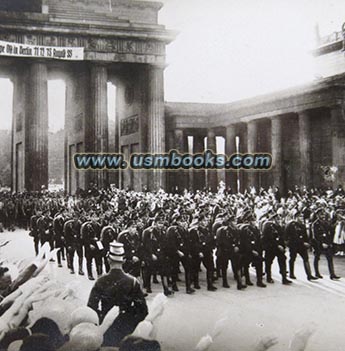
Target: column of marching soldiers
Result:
[162, 233]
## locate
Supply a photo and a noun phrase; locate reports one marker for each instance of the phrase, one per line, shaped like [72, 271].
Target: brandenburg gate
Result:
[89, 43]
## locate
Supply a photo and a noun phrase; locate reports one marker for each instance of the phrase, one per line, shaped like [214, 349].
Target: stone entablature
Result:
[129, 10]
[323, 93]
[115, 41]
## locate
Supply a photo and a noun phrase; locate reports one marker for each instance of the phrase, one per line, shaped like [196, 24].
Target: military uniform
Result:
[178, 250]
[131, 243]
[118, 289]
[90, 239]
[298, 243]
[228, 249]
[251, 250]
[202, 251]
[58, 224]
[73, 243]
[274, 246]
[45, 230]
[323, 244]
[34, 232]
[150, 251]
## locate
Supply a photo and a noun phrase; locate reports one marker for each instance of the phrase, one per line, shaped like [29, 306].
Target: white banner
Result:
[24, 50]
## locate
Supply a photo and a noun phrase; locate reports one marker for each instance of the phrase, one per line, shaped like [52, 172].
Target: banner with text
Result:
[24, 50]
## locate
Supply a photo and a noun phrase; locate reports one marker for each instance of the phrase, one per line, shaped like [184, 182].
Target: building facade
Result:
[90, 43]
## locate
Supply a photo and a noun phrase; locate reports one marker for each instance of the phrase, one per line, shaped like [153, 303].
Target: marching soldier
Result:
[34, 231]
[45, 229]
[73, 243]
[298, 243]
[90, 241]
[58, 224]
[323, 243]
[150, 250]
[274, 246]
[202, 251]
[178, 250]
[228, 249]
[251, 249]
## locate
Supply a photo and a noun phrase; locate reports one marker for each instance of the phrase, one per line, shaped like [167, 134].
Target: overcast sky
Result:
[228, 49]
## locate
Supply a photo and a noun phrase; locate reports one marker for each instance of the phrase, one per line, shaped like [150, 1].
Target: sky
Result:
[227, 50]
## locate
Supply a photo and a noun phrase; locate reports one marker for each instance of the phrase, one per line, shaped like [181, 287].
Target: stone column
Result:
[305, 148]
[243, 149]
[230, 149]
[277, 153]
[181, 145]
[36, 125]
[252, 142]
[171, 179]
[99, 116]
[156, 123]
[199, 180]
[212, 180]
[338, 143]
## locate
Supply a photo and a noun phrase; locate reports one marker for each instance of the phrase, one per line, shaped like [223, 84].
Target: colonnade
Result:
[274, 135]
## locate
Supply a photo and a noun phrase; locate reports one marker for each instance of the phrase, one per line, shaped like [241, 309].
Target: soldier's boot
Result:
[332, 274]
[316, 268]
[219, 273]
[70, 264]
[259, 281]
[189, 290]
[225, 279]
[308, 271]
[174, 286]
[59, 258]
[269, 275]
[196, 281]
[155, 280]
[166, 290]
[210, 286]
[292, 270]
[89, 270]
[248, 281]
[63, 254]
[80, 262]
[238, 278]
[285, 280]
[174, 280]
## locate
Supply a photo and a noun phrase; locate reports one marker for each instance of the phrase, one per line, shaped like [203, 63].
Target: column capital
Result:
[158, 66]
[338, 109]
[211, 133]
[276, 118]
[304, 114]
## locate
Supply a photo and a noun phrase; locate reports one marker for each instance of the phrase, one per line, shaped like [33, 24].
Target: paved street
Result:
[252, 314]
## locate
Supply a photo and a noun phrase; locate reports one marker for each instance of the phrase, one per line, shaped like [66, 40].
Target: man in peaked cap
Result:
[118, 289]
[323, 243]
[274, 246]
[298, 243]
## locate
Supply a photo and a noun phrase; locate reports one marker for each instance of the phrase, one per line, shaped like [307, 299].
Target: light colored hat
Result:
[116, 252]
